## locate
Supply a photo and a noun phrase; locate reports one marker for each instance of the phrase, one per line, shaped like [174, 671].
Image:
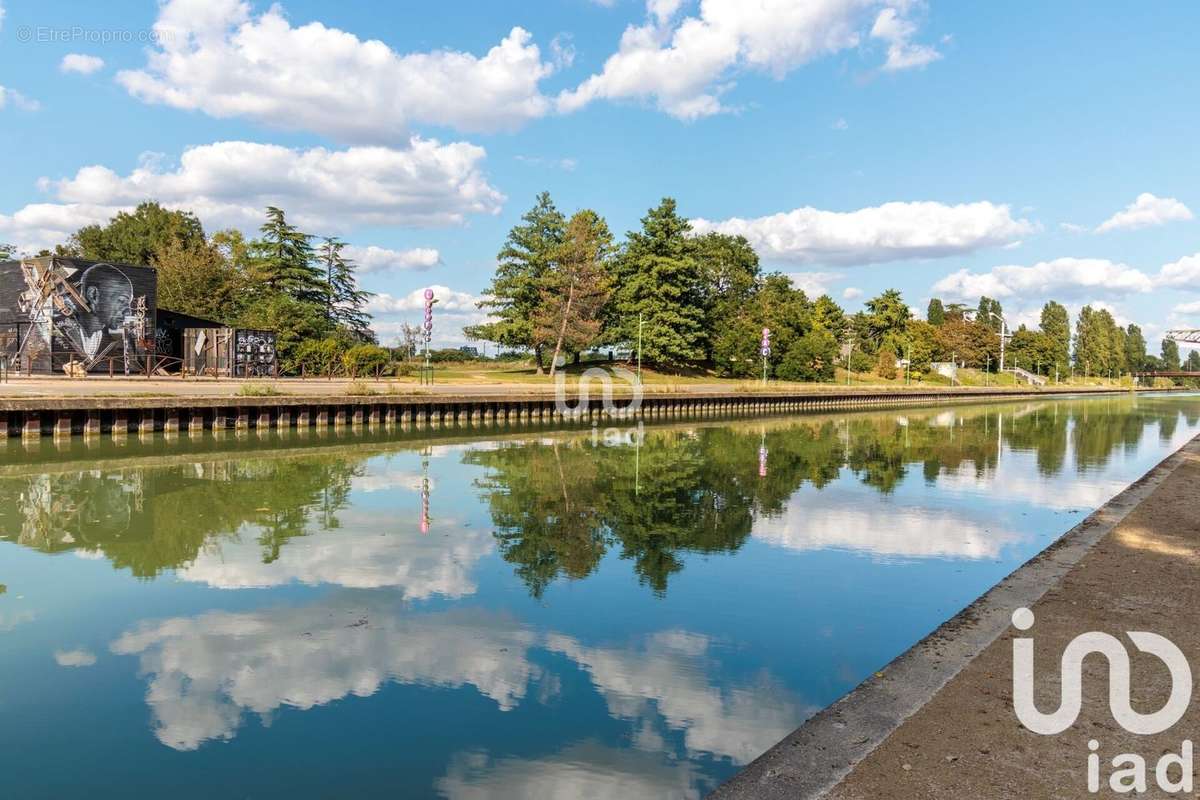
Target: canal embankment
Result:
[120, 414]
[938, 722]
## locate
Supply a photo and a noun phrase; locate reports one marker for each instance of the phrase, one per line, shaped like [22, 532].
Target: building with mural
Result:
[62, 315]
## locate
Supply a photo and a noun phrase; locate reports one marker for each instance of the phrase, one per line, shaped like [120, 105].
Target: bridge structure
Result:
[1185, 335]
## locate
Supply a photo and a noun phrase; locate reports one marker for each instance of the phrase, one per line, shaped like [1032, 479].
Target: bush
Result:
[360, 389]
[366, 360]
[321, 356]
[810, 358]
[449, 354]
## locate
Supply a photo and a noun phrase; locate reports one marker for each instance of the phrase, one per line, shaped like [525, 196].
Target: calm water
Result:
[511, 615]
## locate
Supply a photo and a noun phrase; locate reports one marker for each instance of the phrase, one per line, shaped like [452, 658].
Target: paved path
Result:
[1132, 566]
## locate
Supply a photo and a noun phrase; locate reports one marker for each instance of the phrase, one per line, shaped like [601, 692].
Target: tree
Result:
[516, 291]
[658, 281]
[988, 313]
[811, 357]
[729, 278]
[885, 364]
[282, 261]
[1170, 355]
[829, 316]
[936, 313]
[1193, 362]
[575, 288]
[1135, 348]
[888, 315]
[1056, 326]
[197, 280]
[1031, 350]
[1099, 349]
[7, 251]
[345, 302]
[136, 237]
[920, 344]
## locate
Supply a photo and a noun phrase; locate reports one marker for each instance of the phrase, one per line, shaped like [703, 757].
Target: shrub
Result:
[259, 390]
[321, 356]
[360, 389]
[810, 358]
[366, 360]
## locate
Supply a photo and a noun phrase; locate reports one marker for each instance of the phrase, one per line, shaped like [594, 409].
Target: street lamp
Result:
[1004, 335]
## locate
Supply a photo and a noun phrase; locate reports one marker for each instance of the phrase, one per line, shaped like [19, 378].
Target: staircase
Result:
[1028, 377]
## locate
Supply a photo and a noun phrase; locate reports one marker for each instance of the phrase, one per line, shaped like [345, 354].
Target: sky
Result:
[1026, 150]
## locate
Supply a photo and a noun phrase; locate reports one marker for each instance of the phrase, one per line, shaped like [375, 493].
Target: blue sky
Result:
[1029, 150]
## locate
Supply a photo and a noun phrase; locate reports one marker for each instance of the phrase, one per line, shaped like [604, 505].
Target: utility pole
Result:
[849, 352]
[987, 371]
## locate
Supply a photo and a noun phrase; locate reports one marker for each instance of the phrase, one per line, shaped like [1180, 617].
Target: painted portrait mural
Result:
[81, 315]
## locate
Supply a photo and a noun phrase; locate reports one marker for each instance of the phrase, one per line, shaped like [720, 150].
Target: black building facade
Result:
[66, 315]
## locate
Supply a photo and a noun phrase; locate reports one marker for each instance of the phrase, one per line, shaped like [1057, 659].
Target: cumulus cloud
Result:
[852, 293]
[74, 658]
[1181, 274]
[1187, 308]
[447, 300]
[898, 32]
[381, 259]
[888, 232]
[207, 672]
[813, 284]
[218, 57]
[1062, 277]
[81, 63]
[14, 99]
[1146, 211]
[685, 65]
[230, 183]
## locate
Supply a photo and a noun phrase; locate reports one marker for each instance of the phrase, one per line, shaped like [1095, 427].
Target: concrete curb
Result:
[820, 753]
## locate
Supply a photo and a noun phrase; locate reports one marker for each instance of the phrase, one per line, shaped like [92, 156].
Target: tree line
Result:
[298, 285]
[563, 286]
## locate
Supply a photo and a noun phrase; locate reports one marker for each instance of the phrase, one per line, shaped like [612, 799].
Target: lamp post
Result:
[765, 349]
[1004, 336]
[640, 323]
[849, 352]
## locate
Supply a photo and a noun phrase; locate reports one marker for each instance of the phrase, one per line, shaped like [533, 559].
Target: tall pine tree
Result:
[283, 262]
[522, 265]
[659, 282]
[345, 302]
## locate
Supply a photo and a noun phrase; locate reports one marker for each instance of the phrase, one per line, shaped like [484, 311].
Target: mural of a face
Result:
[109, 292]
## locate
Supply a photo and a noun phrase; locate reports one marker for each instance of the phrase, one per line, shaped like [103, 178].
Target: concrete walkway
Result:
[939, 721]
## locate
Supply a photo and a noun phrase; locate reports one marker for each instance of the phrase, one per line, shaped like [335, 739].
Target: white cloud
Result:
[1146, 211]
[2, 15]
[74, 658]
[413, 564]
[205, 672]
[81, 63]
[684, 66]
[447, 300]
[216, 56]
[898, 32]
[230, 183]
[565, 164]
[813, 284]
[667, 679]
[852, 293]
[11, 97]
[380, 259]
[888, 232]
[583, 770]
[840, 124]
[884, 532]
[1187, 308]
[1062, 277]
[1071, 227]
[1181, 274]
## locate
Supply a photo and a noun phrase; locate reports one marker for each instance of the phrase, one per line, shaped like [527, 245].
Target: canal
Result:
[627, 613]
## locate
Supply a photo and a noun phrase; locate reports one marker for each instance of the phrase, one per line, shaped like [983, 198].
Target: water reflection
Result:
[536, 614]
[559, 503]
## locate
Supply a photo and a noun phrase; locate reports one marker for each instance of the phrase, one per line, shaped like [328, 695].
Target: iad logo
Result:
[1133, 775]
[606, 378]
